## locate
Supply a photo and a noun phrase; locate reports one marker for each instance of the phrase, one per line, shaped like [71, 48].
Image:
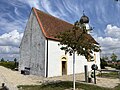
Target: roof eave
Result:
[39, 22]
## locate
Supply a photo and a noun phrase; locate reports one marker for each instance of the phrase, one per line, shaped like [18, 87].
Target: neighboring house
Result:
[115, 63]
[39, 49]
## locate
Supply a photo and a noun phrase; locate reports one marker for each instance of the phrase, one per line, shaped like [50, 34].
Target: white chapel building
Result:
[39, 49]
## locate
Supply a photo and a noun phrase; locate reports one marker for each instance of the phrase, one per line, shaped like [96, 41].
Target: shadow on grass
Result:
[65, 85]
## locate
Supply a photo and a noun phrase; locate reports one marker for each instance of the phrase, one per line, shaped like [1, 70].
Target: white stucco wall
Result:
[54, 61]
[80, 61]
[32, 49]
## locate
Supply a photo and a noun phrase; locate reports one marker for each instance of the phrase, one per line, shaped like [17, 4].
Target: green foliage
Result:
[118, 67]
[114, 57]
[16, 63]
[2, 60]
[77, 39]
[105, 57]
[15, 60]
[103, 63]
[9, 64]
[115, 66]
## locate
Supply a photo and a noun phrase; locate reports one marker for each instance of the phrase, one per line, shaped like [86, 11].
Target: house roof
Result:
[51, 26]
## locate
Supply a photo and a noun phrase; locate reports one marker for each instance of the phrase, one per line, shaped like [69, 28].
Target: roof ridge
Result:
[52, 16]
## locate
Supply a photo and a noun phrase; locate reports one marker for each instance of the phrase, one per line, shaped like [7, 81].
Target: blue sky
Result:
[104, 16]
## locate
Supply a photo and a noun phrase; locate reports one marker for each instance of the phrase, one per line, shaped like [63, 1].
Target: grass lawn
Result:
[65, 85]
[10, 64]
[109, 75]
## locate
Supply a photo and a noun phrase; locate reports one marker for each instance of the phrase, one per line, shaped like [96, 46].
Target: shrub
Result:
[118, 67]
[103, 63]
[113, 66]
[10, 64]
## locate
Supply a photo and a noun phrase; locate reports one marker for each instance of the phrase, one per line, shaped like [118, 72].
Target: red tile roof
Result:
[51, 25]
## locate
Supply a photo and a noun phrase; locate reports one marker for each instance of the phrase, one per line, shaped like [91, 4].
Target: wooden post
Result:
[86, 73]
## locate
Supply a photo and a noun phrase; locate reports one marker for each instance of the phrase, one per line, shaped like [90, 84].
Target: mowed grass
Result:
[109, 75]
[65, 85]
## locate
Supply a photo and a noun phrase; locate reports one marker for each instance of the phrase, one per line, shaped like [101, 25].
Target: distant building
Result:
[116, 63]
[39, 48]
[113, 63]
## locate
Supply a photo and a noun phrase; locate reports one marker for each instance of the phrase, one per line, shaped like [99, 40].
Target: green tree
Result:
[78, 40]
[103, 63]
[114, 57]
[15, 61]
[2, 60]
[105, 58]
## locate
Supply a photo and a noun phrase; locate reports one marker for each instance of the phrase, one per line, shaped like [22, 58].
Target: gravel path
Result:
[13, 78]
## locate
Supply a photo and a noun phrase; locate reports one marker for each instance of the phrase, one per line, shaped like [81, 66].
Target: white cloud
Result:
[16, 11]
[108, 41]
[112, 31]
[111, 42]
[66, 7]
[9, 26]
[9, 50]
[9, 44]
[33, 3]
[12, 38]
[12, 23]
[9, 56]
[11, 16]
[46, 5]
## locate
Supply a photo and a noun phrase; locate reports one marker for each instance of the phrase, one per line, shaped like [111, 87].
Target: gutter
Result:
[47, 60]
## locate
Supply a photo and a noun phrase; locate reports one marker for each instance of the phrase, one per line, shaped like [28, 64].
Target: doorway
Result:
[64, 68]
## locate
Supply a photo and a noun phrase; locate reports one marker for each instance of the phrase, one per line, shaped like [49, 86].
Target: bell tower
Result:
[84, 20]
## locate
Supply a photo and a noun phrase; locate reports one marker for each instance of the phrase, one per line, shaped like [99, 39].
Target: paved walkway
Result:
[103, 82]
[13, 78]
